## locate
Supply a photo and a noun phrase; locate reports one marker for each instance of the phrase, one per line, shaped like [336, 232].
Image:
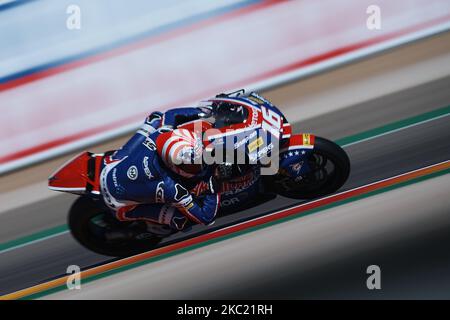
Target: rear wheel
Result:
[90, 225]
[330, 168]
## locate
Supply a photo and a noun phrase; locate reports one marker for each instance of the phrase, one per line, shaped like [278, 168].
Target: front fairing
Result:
[258, 136]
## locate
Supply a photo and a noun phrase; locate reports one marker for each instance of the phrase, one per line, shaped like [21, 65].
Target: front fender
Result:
[294, 153]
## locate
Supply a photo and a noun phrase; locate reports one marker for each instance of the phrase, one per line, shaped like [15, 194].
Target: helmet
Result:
[181, 151]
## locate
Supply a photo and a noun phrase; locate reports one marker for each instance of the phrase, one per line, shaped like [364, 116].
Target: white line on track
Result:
[396, 130]
[34, 241]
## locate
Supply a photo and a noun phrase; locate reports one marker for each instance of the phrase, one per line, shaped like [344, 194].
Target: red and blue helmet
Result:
[181, 150]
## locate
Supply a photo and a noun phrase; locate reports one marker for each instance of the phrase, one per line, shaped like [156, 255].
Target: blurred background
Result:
[77, 75]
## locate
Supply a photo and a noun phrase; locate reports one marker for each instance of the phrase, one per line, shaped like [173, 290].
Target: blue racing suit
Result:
[136, 185]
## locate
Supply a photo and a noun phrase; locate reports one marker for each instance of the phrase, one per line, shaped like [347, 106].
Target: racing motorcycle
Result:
[241, 125]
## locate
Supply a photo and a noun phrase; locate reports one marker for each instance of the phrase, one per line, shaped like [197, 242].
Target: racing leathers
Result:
[136, 185]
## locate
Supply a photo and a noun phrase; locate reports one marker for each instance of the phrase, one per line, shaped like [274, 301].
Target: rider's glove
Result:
[205, 187]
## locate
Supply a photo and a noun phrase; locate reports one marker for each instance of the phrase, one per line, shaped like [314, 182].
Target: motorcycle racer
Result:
[149, 178]
[157, 183]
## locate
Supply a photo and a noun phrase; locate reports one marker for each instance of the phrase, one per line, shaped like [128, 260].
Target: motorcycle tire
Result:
[80, 221]
[323, 149]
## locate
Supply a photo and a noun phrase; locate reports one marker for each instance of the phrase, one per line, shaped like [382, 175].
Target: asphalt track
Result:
[321, 254]
[380, 157]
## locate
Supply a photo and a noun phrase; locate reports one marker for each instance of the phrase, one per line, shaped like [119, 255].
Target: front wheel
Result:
[90, 225]
[330, 168]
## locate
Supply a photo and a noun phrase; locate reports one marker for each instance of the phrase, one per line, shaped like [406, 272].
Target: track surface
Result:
[321, 255]
[372, 160]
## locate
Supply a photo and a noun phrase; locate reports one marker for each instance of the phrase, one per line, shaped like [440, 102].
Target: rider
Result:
[158, 175]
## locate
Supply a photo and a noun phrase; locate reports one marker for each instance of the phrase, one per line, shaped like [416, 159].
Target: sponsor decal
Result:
[306, 139]
[132, 173]
[254, 117]
[190, 205]
[256, 100]
[264, 151]
[272, 121]
[147, 171]
[239, 184]
[186, 202]
[230, 202]
[255, 144]
[245, 140]
[105, 192]
[160, 193]
[297, 167]
[256, 97]
[114, 177]
[149, 144]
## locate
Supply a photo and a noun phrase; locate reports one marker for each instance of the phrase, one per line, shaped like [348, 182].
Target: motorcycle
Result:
[238, 124]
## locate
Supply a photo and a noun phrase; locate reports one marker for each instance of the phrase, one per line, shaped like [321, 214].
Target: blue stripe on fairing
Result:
[146, 34]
